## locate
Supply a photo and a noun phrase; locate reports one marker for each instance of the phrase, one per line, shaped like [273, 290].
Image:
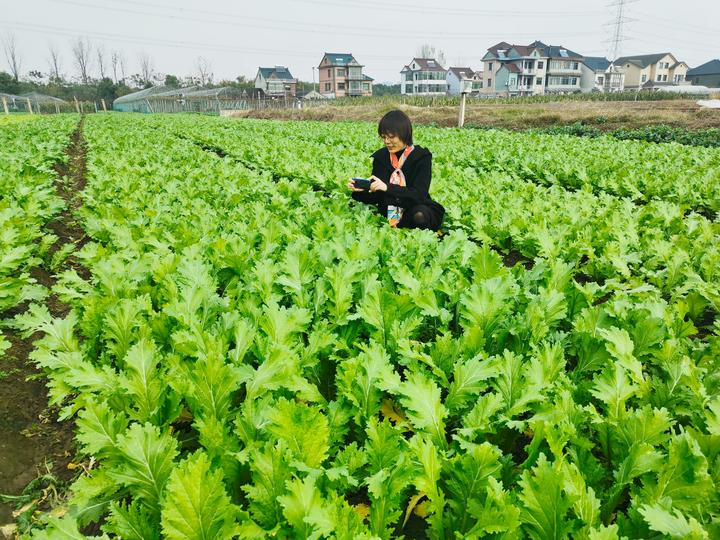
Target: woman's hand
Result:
[377, 184]
[351, 186]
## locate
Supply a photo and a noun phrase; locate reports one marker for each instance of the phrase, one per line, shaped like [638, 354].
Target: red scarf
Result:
[395, 213]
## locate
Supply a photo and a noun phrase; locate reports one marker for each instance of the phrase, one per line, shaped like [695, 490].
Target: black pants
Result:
[421, 216]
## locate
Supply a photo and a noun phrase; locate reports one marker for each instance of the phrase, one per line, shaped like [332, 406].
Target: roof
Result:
[550, 51]
[367, 78]
[708, 68]
[461, 72]
[277, 72]
[499, 46]
[642, 60]
[553, 51]
[147, 92]
[428, 64]
[512, 68]
[340, 59]
[42, 98]
[597, 63]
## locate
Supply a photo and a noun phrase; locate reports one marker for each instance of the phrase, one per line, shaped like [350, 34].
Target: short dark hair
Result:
[396, 123]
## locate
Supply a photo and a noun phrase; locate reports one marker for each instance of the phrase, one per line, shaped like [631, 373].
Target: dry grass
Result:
[604, 115]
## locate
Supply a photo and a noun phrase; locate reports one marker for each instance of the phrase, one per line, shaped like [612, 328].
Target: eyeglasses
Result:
[385, 136]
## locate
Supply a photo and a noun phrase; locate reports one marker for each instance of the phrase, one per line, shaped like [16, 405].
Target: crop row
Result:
[253, 356]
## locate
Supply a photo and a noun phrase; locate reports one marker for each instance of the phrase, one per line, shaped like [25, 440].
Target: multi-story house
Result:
[276, 81]
[534, 69]
[706, 75]
[423, 77]
[342, 75]
[463, 79]
[652, 71]
[601, 75]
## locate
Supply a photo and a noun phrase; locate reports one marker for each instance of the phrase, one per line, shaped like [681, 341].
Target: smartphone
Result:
[362, 183]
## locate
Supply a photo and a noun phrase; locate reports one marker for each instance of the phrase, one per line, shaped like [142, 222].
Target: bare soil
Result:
[32, 441]
[601, 114]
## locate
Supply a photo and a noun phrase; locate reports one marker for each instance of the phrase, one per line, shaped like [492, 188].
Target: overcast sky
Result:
[237, 37]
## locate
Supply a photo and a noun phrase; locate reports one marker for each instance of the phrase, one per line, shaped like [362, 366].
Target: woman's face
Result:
[392, 142]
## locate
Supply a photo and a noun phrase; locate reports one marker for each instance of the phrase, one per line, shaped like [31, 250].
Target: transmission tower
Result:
[618, 25]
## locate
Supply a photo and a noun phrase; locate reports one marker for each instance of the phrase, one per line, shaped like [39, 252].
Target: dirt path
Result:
[605, 115]
[32, 442]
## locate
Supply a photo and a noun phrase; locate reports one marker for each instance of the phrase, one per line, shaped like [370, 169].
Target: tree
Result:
[172, 81]
[81, 50]
[54, 63]
[12, 56]
[204, 70]
[107, 90]
[8, 84]
[430, 51]
[115, 62]
[101, 61]
[146, 69]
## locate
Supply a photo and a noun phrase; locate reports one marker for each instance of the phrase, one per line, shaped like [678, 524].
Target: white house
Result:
[463, 79]
[423, 77]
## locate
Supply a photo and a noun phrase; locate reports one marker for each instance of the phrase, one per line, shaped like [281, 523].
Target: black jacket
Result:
[418, 174]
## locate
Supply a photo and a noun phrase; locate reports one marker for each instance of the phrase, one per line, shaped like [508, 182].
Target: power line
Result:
[619, 23]
[414, 8]
[331, 29]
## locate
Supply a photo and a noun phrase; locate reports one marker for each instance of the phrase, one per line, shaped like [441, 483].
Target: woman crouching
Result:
[401, 175]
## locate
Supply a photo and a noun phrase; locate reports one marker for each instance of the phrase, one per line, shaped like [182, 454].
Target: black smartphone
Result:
[362, 183]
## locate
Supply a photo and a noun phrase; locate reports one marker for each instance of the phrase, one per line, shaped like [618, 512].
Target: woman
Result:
[401, 175]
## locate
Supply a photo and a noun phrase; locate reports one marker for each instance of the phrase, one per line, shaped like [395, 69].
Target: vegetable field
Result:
[247, 353]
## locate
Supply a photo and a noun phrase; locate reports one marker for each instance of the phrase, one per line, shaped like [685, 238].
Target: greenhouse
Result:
[33, 102]
[192, 99]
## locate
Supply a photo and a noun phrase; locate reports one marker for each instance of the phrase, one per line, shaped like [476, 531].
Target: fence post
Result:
[77, 105]
[461, 118]
[95, 103]
[57, 108]
[5, 105]
[103, 104]
[29, 104]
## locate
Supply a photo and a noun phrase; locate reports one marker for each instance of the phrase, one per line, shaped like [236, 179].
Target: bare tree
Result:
[12, 56]
[146, 68]
[122, 67]
[54, 63]
[204, 69]
[81, 50]
[114, 63]
[101, 60]
[427, 50]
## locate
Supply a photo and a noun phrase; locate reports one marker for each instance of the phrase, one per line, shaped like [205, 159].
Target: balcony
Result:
[565, 71]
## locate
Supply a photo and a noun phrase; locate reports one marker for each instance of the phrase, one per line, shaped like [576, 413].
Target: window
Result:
[329, 72]
[489, 84]
[601, 80]
[643, 78]
[528, 64]
[665, 78]
[541, 65]
[341, 72]
[490, 66]
[341, 86]
[366, 87]
[538, 81]
[328, 86]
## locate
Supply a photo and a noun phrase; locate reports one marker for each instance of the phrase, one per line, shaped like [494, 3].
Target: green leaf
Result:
[269, 472]
[98, 428]
[545, 507]
[467, 480]
[132, 522]
[65, 528]
[196, 506]
[469, 378]
[148, 460]
[672, 522]
[613, 389]
[422, 401]
[144, 382]
[303, 428]
[304, 508]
